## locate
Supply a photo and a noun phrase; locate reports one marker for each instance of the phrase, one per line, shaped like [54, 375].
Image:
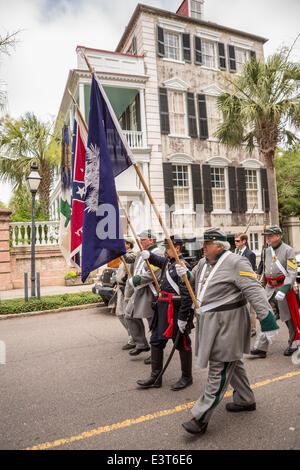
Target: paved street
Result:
[67, 384]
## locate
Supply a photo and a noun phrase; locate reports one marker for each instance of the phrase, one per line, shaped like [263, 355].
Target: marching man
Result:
[280, 273]
[223, 282]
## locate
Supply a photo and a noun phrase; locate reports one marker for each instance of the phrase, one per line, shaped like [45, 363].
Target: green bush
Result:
[49, 302]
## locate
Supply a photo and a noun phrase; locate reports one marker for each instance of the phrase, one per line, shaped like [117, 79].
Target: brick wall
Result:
[5, 268]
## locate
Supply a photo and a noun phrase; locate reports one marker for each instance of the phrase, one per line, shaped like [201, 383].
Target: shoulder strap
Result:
[278, 262]
[172, 283]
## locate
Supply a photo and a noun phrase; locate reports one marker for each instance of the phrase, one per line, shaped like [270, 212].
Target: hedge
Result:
[49, 302]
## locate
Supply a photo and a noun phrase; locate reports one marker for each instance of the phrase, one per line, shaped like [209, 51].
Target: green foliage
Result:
[261, 104]
[287, 164]
[2, 205]
[48, 302]
[70, 274]
[21, 203]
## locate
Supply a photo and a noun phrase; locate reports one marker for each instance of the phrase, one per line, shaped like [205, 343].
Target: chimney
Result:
[191, 8]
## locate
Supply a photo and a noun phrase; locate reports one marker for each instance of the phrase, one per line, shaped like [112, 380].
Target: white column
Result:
[143, 117]
[81, 100]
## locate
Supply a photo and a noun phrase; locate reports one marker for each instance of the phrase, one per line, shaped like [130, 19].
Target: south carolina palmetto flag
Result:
[106, 157]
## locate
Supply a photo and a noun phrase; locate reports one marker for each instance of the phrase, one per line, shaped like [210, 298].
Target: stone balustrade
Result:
[46, 233]
[135, 139]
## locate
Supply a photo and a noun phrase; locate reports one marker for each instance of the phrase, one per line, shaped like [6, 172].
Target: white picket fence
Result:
[46, 233]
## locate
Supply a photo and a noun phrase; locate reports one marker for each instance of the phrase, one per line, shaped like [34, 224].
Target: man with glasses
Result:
[241, 243]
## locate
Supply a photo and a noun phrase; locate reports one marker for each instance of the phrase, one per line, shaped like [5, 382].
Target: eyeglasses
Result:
[237, 240]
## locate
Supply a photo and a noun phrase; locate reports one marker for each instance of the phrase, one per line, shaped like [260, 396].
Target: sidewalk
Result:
[49, 290]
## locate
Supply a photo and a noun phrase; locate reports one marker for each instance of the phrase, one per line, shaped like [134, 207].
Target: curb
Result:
[7, 316]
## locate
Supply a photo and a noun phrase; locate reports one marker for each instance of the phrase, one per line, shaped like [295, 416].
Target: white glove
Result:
[181, 325]
[145, 254]
[181, 270]
[197, 311]
[280, 296]
[130, 282]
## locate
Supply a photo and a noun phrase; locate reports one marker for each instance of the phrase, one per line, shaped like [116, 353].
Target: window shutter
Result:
[133, 46]
[203, 127]
[197, 186]
[164, 111]
[186, 47]
[138, 112]
[168, 184]
[206, 178]
[265, 189]
[242, 194]
[253, 54]
[232, 189]
[192, 115]
[198, 50]
[160, 42]
[231, 55]
[222, 56]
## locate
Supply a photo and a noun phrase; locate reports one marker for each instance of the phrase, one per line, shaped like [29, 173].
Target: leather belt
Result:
[233, 306]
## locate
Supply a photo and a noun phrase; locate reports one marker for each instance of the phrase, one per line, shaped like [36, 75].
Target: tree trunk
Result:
[45, 187]
[269, 162]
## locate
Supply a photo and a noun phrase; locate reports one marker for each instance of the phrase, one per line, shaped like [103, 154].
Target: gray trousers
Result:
[220, 375]
[137, 331]
[123, 320]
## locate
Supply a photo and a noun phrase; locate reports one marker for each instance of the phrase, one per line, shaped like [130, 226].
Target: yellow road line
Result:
[141, 419]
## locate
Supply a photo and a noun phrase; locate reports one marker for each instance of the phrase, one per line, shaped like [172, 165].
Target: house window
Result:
[213, 115]
[208, 54]
[177, 112]
[181, 187]
[254, 242]
[172, 49]
[218, 185]
[241, 57]
[252, 189]
[196, 9]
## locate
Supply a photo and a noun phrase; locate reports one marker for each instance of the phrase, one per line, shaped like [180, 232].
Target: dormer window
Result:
[196, 9]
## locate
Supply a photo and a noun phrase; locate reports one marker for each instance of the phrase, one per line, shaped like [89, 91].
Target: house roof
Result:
[140, 8]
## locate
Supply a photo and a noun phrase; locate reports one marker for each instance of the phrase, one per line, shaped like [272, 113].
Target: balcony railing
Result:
[135, 139]
[46, 233]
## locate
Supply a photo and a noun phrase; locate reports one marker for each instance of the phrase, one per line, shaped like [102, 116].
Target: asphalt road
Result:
[67, 384]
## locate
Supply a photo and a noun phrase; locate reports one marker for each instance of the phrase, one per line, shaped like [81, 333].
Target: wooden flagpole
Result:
[139, 173]
[120, 203]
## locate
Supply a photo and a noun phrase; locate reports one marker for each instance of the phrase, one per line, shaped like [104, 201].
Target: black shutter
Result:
[198, 50]
[197, 186]
[253, 54]
[242, 194]
[203, 127]
[206, 178]
[231, 56]
[138, 112]
[186, 47]
[222, 56]
[232, 189]
[168, 184]
[164, 111]
[192, 115]
[160, 42]
[265, 189]
[133, 46]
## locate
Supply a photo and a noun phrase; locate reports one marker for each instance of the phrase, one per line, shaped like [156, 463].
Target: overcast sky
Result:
[36, 72]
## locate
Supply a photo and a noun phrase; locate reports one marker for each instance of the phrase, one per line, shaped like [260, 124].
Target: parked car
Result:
[106, 284]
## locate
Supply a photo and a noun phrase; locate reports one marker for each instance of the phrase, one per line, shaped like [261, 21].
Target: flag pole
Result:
[145, 186]
[121, 205]
[139, 244]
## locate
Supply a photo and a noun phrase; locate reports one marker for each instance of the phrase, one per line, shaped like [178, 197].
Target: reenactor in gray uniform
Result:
[139, 306]
[223, 282]
[118, 300]
[280, 274]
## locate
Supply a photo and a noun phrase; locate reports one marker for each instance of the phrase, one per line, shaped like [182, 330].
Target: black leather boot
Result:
[157, 356]
[186, 370]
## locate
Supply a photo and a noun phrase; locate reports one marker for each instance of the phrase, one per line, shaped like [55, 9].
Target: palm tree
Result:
[21, 142]
[260, 108]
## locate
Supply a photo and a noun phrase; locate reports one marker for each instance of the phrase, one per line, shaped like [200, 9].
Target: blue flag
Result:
[106, 157]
